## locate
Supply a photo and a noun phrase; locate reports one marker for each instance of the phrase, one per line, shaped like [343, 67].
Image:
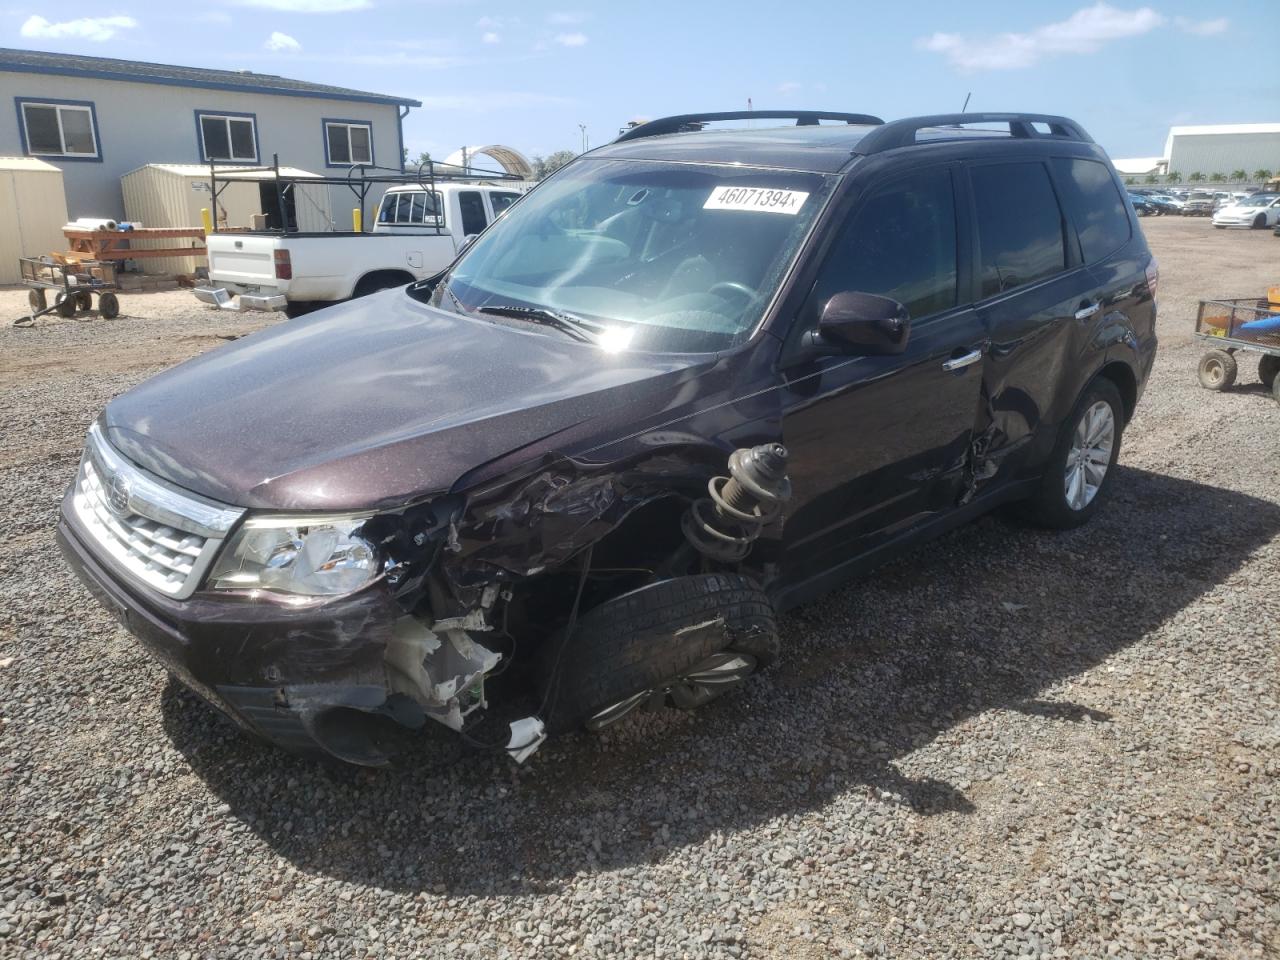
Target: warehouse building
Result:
[1223, 148]
[96, 119]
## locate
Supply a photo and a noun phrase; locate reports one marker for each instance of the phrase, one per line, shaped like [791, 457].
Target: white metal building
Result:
[1223, 148]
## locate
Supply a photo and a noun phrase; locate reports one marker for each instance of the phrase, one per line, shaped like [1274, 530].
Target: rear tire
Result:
[108, 306]
[37, 300]
[1087, 448]
[66, 304]
[643, 647]
[1217, 370]
[1268, 368]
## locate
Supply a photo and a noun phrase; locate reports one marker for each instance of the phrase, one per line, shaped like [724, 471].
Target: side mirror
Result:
[864, 323]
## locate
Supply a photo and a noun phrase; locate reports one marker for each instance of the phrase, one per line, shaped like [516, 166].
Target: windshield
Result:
[665, 257]
[1256, 201]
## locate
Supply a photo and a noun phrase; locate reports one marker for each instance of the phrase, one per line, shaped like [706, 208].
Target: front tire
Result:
[1260, 222]
[682, 642]
[1078, 473]
[1268, 368]
[1217, 370]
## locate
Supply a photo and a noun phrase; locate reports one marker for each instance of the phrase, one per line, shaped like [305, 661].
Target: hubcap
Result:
[1213, 370]
[703, 683]
[1090, 455]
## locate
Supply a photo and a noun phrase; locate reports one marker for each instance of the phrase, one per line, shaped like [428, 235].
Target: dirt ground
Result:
[1007, 743]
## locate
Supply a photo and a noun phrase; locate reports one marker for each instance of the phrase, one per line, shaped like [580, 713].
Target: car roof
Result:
[815, 149]
[832, 147]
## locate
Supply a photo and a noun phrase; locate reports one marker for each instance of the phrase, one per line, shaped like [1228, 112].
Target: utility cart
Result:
[1242, 324]
[72, 286]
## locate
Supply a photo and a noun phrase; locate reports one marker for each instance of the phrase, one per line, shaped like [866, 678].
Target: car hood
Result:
[1236, 210]
[376, 403]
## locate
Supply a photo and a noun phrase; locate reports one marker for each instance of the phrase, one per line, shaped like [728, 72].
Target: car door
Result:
[878, 443]
[1035, 298]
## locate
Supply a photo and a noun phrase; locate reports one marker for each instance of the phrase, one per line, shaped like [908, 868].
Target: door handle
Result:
[1084, 313]
[959, 363]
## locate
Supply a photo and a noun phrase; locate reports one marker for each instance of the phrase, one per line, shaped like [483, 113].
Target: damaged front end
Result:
[409, 612]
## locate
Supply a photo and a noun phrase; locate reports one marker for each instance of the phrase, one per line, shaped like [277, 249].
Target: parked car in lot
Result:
[1165, 205]
[1258, 211]
[692, 380]
[418, 230]
[1142, 206]
[1198, 204]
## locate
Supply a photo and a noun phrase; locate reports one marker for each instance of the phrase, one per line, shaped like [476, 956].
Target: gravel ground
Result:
[1009, 743]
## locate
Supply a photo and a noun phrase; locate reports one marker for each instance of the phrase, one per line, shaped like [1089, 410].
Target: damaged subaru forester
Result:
[694, 378]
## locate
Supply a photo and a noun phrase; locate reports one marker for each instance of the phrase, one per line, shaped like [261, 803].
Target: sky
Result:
[531, 74]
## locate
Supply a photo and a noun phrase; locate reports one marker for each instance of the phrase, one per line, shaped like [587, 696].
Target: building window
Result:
[59, 129]
[228, 136]
[347, 142]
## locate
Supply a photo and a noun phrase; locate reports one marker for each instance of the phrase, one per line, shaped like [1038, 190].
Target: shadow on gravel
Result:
[984, 619]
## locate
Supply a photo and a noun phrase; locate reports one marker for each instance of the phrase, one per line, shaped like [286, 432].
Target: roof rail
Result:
[902, 133]
[803, 118]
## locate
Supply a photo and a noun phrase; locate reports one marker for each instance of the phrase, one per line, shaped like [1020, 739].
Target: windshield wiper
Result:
[576, 327]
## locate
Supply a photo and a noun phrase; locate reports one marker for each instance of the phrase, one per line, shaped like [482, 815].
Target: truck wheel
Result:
[37, 300]
[682, 642]
[1078, 472]
[1268, 368]
[1260, 222]
[1217, 370]
[84, 301]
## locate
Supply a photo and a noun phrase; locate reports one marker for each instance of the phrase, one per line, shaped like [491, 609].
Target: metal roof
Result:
[136, 71]
[27, 163]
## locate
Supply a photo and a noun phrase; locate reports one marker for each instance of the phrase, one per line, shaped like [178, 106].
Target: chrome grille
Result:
[158, 534]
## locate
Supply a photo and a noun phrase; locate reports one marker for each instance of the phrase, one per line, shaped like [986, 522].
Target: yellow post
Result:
[206, 218]
[357, 219]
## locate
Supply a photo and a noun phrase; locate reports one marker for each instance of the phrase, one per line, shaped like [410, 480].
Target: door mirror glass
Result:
[865, 323]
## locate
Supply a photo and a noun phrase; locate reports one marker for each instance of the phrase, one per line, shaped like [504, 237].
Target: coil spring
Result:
[724, 525]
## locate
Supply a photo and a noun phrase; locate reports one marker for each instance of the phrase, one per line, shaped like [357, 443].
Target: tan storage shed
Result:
[173, 194]
[33, 209]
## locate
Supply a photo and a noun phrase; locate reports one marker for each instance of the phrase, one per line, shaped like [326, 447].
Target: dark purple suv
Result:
[692, 379]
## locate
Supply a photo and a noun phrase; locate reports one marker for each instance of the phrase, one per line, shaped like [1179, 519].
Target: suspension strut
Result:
[724, 525]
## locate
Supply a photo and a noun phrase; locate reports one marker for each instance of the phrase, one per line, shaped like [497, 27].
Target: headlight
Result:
[317, 556]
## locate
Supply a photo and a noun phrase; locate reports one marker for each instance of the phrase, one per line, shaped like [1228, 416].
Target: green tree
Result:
[1130, 181]
[1217, 177]
[423, 157]
[1150, 178]
[1196, 177]
[1173, 176]
[1262, 173]
[1239, 175]
[543, 167]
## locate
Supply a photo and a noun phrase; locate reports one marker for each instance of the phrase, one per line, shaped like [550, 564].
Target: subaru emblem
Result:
[118, 495]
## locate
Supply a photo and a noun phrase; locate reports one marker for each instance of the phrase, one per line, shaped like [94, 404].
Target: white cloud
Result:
[565, 18]
[309, 6]
[1203, 28]
[791, 86]
[282, 43]
[489, 23]
[490, 37]
[1085, 31]
[97, 29]
[571, 39]
[487, 102]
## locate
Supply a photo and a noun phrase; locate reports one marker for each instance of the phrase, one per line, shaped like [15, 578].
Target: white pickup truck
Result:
[417, 232]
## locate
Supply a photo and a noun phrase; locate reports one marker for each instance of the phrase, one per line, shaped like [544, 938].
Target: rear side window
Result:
[900, 244]
[473, 217]
[1095, 205]
[1019, 226]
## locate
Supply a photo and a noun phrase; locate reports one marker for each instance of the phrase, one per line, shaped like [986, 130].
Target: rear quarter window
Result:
[1094, 203]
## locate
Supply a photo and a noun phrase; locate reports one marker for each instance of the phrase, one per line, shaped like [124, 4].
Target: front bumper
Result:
[308, 678]
[223, 299]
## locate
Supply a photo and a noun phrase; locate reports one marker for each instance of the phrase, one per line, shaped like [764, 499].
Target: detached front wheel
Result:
[680, 642]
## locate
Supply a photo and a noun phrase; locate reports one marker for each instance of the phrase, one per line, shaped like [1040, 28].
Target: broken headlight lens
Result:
[320, 556]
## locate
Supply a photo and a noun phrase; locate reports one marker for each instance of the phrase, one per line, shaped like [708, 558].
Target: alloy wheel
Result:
[1090, 455]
